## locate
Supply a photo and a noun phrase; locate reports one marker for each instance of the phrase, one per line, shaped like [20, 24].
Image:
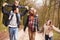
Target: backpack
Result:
[5, 20]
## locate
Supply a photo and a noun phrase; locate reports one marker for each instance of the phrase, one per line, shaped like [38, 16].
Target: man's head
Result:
[16, 10]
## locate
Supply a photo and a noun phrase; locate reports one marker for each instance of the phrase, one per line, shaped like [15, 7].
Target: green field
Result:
[56, 36]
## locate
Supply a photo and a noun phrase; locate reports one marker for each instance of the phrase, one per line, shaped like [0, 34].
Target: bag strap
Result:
[10, 16]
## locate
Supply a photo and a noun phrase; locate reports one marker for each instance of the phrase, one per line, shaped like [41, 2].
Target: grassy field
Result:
[56, 36]
[2, 28]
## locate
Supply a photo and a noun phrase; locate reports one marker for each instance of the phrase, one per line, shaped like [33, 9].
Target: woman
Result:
[32, 23]
[48, 30]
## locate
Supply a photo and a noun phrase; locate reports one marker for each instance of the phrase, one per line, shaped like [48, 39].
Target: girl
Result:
[48, 30]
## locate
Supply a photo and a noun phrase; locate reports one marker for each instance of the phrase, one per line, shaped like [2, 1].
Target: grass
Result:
[2, 27]
[56, 36]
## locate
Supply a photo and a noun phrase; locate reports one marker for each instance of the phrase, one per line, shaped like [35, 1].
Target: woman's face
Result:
[31, 11]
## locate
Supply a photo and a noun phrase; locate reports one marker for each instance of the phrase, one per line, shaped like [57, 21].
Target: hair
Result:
[14, 7]
[50, 22]
[32, 9]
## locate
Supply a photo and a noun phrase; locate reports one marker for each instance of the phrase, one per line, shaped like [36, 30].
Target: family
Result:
[13, 22]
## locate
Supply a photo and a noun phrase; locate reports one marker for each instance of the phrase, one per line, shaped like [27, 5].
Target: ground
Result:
[4, 35]
[24, 35]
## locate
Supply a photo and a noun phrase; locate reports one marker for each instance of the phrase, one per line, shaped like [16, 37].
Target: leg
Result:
[11, 33]
[29, 32]
[15, 33]
[37, 28]
[33, 35]
[46, 37]
[51, 38]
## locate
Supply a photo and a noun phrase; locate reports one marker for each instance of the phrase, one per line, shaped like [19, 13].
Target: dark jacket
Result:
[8, 14]
[12, 5]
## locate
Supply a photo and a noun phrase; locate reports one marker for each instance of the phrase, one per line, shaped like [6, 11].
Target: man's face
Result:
[16, 11]
[16, 3]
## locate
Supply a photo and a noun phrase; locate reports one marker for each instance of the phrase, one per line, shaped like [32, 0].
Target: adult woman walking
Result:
[32, 23]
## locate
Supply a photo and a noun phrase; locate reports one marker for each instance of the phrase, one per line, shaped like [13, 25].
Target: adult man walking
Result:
[13, 21]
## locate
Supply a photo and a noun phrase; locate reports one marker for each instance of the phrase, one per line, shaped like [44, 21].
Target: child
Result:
[48, 30]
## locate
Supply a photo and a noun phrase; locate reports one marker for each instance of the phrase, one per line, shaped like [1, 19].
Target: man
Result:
[13, 21]
[15, 4]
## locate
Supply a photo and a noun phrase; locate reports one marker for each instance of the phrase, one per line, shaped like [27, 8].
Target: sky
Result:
[36, 3]
[39, 2]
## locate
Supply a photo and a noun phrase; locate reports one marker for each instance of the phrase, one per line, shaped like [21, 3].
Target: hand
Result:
[27, 7]
[4, 4]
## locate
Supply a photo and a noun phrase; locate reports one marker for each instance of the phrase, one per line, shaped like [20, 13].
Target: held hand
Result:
[4, 4]
[27, 7]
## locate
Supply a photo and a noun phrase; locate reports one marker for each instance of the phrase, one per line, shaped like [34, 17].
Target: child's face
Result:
[16, 3]
[48, 22]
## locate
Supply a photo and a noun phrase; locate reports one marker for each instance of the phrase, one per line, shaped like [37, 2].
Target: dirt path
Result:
[3, 35]
[24, 35]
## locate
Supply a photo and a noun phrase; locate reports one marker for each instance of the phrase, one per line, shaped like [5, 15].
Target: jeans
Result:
[13, 33]
[48, 38]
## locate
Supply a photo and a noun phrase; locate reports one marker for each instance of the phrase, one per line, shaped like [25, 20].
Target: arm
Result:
[4, 11]
[9, 5]
[21, 6]
[56, 29]
[24, 12]
[12, 5]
